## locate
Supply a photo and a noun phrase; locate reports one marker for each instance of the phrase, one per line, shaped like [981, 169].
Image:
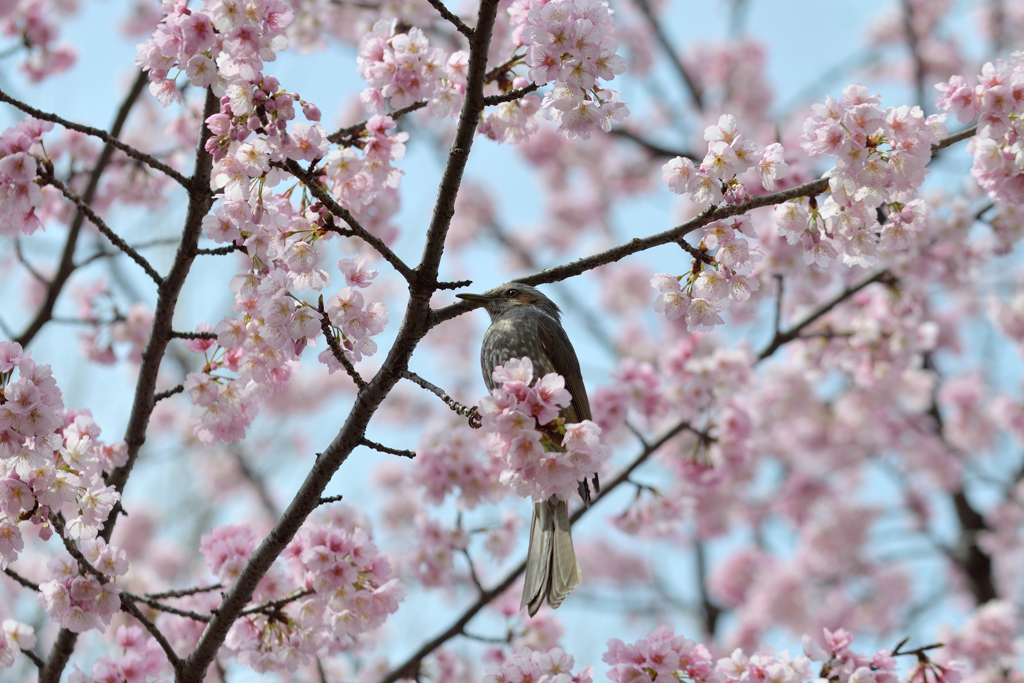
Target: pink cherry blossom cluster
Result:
[536, 464]
[275, 327]
[883, 340]
[637, 386]
[224, 42]
[251, 131]
[354, 591]
[571, 43]
[81, 600]
[35, 24]
[338, 588]
[448, 459]
[353, 319]
[990, 640]
[141, 659]
[666, 656]
[997, 102]
[403, 69]
[20, 196]
[226, 549]
[14, 637]
[733, 72]
[662, 655]
[1008, 315]
[729, 154]
[526, 664]
[703, 293]
[130, 329]
[258, 348]
[881, 160]
[51, 459]
[357, 180]
[512, 122]
[431, 560]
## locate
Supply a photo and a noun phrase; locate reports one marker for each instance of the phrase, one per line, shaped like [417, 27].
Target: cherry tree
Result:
[800, 328]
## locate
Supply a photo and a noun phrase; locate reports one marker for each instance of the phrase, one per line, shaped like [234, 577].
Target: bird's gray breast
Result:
[513, 336]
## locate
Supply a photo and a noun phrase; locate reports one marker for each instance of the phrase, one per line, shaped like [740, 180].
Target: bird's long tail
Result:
[551, 568]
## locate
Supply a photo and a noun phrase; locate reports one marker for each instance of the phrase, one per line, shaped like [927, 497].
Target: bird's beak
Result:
[479, 299]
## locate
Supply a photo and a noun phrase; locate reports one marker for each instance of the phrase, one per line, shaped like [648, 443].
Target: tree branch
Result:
[511, 95]
[110, 139]
[64, 644]
[914, 47]
[656, 150]
[454, 20]
[673, 57]
[385, 449]
[66, 266]
[467, 412]
[636, 245]
[792, 333]
[101, 225]
[415, 325]
[15, 576]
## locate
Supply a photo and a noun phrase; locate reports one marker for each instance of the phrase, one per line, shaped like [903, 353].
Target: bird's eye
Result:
[512, 292]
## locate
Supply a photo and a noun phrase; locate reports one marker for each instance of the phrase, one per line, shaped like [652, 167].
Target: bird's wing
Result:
[558, 348]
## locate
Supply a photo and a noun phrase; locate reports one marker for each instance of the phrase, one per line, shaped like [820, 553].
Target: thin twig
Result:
[131, 608]
[21, 579]
[161, 395]
[511, 95]
[457, 284]
[34, 658]
[24, 261]
[221, 251]
[311, 184]
[188, 614]
[182, 592]
[386, 449]
[275, 605]
[114, 238]
[465, 411]
[472, 570]
[710, 611]
[691, 85]
[914, 46]
[336, 350]
[576, 307]
[651, 147]
[453, 19]
[127, 599]
[502, 68]
[781, 338]
[257, 481]
[698, 254]
[777, 326]
[65, 268]
[163, 241]
[966, 133]
[350, 133]
[638, 244]
[193, 335]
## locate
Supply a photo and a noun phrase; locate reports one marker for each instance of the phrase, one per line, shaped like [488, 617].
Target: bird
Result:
[524, 322]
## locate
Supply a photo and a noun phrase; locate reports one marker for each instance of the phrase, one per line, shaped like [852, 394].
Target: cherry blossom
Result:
[538, 463]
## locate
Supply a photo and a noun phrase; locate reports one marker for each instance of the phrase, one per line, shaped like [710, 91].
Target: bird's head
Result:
[509, 296]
